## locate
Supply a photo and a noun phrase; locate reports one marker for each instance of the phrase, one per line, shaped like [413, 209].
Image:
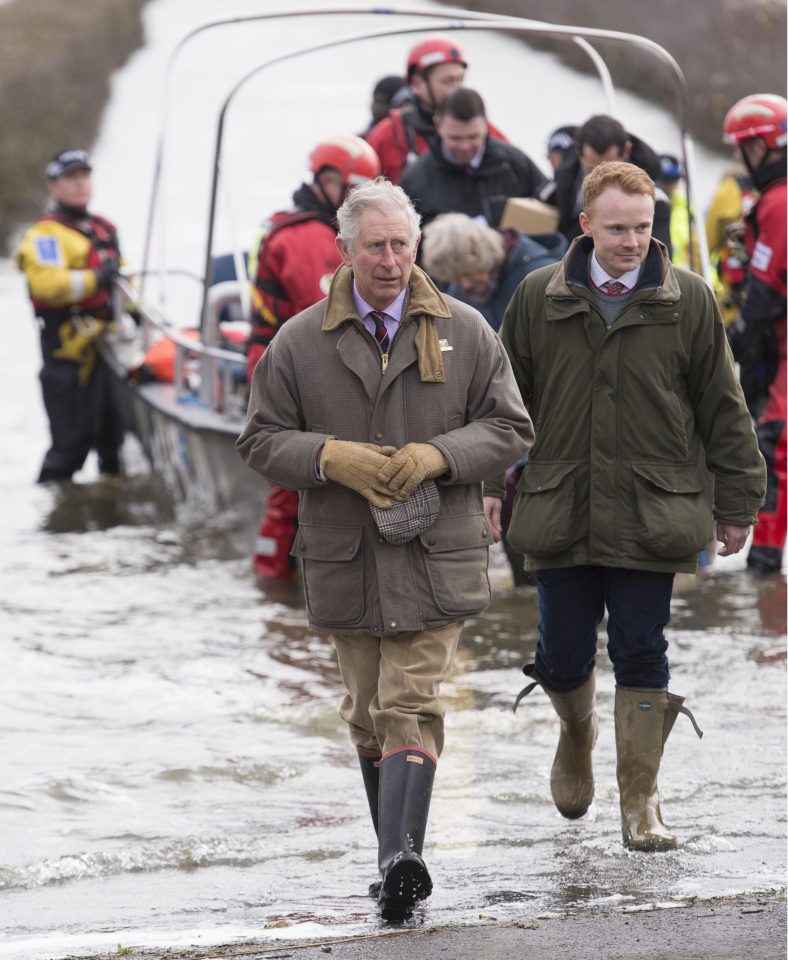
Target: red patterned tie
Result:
[614, 288]
[381, 334]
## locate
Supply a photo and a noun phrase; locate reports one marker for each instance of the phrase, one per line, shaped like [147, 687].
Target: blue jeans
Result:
[572, 602]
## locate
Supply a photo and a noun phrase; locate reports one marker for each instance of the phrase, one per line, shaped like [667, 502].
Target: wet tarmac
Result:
[754, 928]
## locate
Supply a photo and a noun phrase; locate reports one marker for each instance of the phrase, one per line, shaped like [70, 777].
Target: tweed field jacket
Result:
[322, 378]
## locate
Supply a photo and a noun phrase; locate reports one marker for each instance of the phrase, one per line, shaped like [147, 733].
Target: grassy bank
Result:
[56, 61]
[726, 49]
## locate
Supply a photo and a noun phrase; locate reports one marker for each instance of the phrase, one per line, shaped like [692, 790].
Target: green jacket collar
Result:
[657, 282]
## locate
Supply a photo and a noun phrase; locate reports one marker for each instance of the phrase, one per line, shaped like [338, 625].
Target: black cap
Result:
[670, 167]
[563, 138]
[66, 161]
[386, 87]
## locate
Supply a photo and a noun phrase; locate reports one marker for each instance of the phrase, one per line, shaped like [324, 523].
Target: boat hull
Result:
[190, 448]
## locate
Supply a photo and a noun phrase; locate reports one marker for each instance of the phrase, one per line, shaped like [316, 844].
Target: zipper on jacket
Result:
[384, 357]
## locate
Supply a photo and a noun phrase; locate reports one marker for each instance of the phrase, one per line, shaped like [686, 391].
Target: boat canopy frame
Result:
[214, 360]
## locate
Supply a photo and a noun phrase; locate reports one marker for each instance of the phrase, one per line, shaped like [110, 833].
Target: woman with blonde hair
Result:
[482, 266]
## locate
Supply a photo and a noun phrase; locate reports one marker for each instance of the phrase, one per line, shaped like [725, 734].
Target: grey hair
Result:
[455, 246]
[377, 194]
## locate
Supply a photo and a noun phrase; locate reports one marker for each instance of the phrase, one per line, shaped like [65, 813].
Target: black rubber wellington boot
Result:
[370, 771]
[405, 791]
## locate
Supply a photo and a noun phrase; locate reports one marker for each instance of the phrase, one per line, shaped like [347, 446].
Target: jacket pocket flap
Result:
[456, 533]
[337, 544]
[538, 477]
[671, 478]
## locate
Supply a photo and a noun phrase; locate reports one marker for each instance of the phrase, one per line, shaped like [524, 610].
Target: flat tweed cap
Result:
[406, 520]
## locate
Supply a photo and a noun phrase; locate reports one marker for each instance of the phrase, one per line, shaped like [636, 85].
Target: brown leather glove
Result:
[356, 466]
[410, 466]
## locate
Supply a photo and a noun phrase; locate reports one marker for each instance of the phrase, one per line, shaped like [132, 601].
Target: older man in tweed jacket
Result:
[363, 399]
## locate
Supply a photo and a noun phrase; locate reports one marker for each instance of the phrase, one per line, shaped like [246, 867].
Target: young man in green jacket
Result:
[623, 364]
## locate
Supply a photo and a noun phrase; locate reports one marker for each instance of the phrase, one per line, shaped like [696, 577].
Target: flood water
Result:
[174, 769]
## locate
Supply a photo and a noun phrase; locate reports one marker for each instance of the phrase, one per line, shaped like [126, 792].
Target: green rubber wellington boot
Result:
[644, 719]
[572, 774]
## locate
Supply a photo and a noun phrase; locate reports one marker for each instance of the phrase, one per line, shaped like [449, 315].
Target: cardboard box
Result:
[529, 216]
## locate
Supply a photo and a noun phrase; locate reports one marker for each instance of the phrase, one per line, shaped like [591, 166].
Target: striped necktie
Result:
[614, 288]
[381, 334]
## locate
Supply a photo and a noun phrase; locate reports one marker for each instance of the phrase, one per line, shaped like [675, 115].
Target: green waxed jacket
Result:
[632, 422]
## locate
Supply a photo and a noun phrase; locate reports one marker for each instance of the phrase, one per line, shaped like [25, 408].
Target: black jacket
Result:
[437, 186]
[569, 180]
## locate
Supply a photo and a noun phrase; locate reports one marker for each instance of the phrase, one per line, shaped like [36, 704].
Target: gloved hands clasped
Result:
[384, 475]
[357, 466]
[410, 466]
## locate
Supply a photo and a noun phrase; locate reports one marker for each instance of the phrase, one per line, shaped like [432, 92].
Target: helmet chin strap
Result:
[431, 104]
[323, 196]
[767, 170]
[427, 104]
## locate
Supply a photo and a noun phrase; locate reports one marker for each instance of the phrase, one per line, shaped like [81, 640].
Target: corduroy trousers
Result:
[393, 688]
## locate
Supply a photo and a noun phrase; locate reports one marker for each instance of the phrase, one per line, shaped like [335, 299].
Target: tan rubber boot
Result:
[644, 719]
[673, 707]
[572, 775]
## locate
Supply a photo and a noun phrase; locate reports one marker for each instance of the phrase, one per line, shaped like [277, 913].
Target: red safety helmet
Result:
[355, 159]
[433, 51]
[761, 115]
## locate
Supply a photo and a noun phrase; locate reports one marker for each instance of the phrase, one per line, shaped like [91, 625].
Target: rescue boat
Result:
[188, 417]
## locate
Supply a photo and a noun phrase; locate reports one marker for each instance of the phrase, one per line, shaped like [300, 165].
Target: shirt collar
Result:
[393, 311]
[600, 276]
[475, 163]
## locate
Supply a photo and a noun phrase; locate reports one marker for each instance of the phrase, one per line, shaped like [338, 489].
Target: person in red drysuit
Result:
[757, 126]
[291, 267]
[435, 68]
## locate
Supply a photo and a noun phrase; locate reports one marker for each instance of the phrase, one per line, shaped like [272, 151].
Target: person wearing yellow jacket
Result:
[70, 258]
[684, 245]
[730, 206]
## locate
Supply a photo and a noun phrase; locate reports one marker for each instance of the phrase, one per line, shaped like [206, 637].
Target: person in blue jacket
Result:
[483, 267]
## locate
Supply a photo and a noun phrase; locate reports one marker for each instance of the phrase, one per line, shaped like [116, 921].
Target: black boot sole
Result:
[406, 881]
